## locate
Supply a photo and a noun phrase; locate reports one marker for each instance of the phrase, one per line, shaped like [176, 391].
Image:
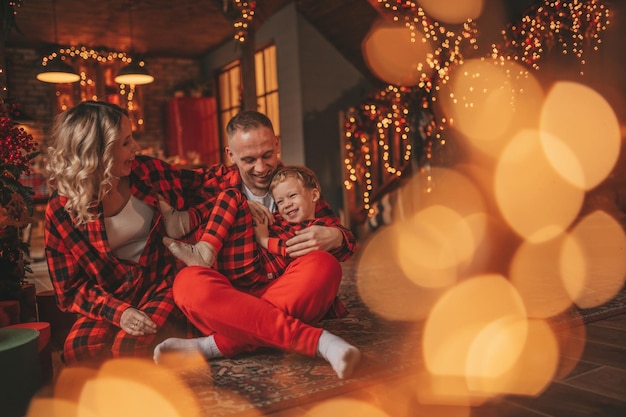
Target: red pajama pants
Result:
[280, 314]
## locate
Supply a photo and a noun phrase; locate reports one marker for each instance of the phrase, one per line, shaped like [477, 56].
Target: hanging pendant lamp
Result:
[134, 73]
[56, 70]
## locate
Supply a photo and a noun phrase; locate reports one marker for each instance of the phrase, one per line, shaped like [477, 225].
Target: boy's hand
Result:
[261, 230]
[258, 211]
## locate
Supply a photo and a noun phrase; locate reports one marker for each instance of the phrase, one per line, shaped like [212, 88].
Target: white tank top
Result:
[128, 230]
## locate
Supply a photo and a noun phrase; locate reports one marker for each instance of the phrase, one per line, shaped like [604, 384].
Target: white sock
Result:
[341, 355]
[176, 222]
[204, 345]
[202, 253]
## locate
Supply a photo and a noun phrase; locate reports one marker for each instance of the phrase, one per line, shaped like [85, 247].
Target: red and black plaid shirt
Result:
[246, 263]
[88, 279]
[220, 177]
[275, 258]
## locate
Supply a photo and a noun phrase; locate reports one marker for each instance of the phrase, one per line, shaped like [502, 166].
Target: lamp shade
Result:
[58, 71]
[133, 73]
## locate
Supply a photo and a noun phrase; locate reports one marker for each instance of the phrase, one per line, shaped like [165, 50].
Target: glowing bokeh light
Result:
[393, 57]
[449, 391]
[132, 398]
[496, 349]
[460, 315]
[452, 11]
[70, 382]
[513, 356]
[536, 202]
[56, 407]
[600, 239]
[345, 407]
[401, 399]
[138, 387]
[490, 101]
[446, 188]
[535, 272]
[382, 284]
[580, 134]
[433, 244]
[425, 255]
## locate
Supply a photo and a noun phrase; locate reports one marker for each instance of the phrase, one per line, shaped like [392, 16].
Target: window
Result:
[229, 89]
[267, 84]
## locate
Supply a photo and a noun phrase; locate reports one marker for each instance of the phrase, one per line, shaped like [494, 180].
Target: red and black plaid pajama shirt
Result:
[229, 230]
[90, 281]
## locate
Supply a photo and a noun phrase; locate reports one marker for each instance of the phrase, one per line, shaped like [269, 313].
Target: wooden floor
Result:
[595, 386]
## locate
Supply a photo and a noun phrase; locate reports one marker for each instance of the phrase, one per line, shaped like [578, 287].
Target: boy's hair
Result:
[304, 175]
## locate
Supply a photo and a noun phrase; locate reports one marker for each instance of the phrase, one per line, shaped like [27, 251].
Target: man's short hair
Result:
[246, 120]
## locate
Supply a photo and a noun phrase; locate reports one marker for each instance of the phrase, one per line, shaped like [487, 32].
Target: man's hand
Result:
[314, 238]
[259, 211]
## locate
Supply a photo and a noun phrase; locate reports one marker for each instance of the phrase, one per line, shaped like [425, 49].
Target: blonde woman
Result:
[103, 234]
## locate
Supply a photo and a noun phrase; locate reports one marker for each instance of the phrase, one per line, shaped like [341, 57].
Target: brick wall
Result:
[38, 99]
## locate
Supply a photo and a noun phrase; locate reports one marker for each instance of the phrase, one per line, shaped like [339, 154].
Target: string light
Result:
[246, 9]
[86, 53]
[570, 26]
[449, 44]
[385, 128]
[101, 56]
[15, 4]
[9, 24]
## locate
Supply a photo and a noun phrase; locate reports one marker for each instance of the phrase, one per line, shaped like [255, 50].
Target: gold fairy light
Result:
[449, 44]
[246, 13]
[378, 131]
[570, 26]
[573, 26]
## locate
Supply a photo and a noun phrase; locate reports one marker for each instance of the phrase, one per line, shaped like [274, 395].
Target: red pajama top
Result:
[275, 257]
[88, 279]
[231, 233]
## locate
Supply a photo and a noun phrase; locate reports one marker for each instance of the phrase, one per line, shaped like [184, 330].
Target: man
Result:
[242, 316]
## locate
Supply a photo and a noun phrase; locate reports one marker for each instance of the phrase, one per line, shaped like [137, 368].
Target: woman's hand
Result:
[137, 322]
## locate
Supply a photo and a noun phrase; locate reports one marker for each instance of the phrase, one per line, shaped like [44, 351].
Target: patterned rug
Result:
[269, 381]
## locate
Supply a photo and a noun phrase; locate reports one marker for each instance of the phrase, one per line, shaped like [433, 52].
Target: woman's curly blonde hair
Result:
[79, 159]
